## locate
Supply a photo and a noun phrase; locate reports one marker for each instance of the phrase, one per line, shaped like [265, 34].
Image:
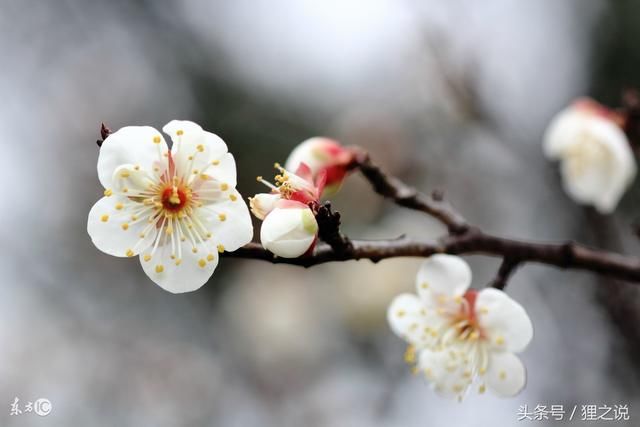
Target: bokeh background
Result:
[453, 95]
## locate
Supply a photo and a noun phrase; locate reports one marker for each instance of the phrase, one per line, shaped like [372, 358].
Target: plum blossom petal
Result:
[410, 320]
[442, 277]
[185, 271]
[131, 180]
[263, 203]
[229, 221]
[506, 375]
[117, 228]
[224, 169]
[143, 146]
[448, 376]
[195, 150]
[504, 322]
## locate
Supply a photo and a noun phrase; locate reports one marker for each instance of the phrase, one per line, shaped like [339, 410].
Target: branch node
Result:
[329, 230]
[104, 133]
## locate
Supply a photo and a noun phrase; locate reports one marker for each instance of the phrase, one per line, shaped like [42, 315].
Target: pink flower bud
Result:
[322, 155]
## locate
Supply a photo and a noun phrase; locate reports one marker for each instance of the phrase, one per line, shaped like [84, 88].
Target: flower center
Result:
[465, 322]
[582, 156]
[175, 197]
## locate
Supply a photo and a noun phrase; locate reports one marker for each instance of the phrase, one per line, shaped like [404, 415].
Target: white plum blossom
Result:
[289, 228]
[322, 155]
[176, 209]
[459, 336]
[596, 160]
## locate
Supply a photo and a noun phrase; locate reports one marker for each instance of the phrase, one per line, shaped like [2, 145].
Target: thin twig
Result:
[392, 188]
[507, 268]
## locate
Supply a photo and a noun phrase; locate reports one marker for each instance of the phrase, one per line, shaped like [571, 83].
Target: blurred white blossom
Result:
[597, 162]
[458, 335]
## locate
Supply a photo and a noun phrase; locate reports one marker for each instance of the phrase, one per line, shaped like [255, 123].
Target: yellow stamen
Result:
[410, 354]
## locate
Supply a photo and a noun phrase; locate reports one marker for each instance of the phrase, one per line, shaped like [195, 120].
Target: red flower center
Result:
[174, 198]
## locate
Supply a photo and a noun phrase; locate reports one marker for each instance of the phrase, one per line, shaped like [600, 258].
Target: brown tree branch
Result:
[568, 255]
[409, 197]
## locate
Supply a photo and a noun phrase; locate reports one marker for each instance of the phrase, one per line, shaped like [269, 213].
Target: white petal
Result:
[288, 233]
[263, 203]
[442, 277]
[224, 169]
[229, 221]
[183, 130]
[562, 131]
[446, 373]
[113, 230]
[193, 149]
[504, 321]
[129, 181]
[506, 374]
[210, 191]
[134, 145]
[603, 179]
[411, 321]
[184, 273]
